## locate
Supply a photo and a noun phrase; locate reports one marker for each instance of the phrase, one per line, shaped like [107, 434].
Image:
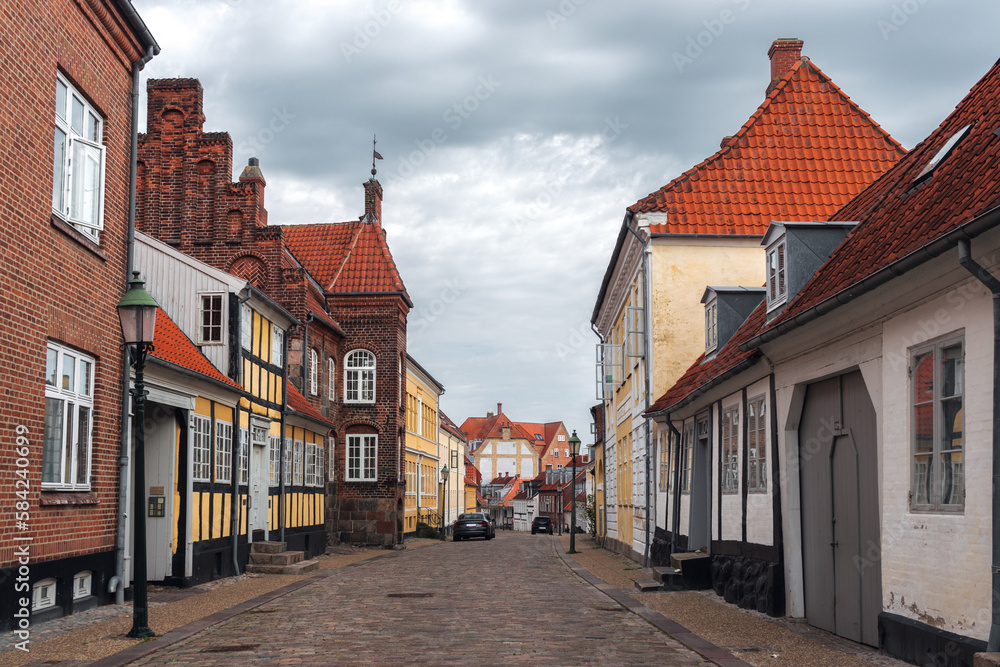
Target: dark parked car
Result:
[473, 524]
[541, 524]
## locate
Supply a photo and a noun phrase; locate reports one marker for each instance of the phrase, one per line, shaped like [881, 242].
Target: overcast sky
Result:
[515, 134]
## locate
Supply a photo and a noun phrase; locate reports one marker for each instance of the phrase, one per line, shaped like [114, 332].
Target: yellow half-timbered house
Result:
[423, 460]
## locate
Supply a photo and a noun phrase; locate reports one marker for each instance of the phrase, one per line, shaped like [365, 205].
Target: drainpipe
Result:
[645, 365]
[992, 284]
[675, 510]
[117, 583]
[235, 509]
[604, 537]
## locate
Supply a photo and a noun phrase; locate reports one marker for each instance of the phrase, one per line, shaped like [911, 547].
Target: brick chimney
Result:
[783, 54]
[373, 201]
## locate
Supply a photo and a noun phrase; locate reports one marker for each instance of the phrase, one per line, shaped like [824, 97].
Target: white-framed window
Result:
[246, 327]
[687, 449]
[201, 449]
[731, 449]
[562, 437]
[43, 594]
[320, 475]
[310, 479]
[69, 417]
[756, 444]
[288, 462]
[777, 290]
[78, 163]
[711, 325]
[331, 378]
[937, 374]
[212, 311]
[82, 584]
[273, 460]
[277, 346]
[362, 457]
[411, 478]
[359, 377]
[313, 372]
[244, 457]
[223, 451]
[331, 447]
[298, 476]
[664, 449]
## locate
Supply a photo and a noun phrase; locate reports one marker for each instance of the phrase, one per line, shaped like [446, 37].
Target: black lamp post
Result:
[574, 449]
[444, 501]
[137, 313]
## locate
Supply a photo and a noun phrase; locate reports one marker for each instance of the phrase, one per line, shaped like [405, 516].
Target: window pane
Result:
[51, 367]
[921, 479]
[82, 443]
[77, 116]
[951, 427]
[923, 378]
[93, 128]
[69, 372]
[59, 171]
[952, 467]
[85, 370]
[68, 444]
[951, 371]
[52, 448]
[60, 99]
[85, 189]
[924, 427]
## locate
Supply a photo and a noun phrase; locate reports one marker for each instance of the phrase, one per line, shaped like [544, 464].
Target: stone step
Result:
[283, 558]
[302, 567]
[672, 578]
[677, 560]
[648, 586]
[695, 569]
[268, 547]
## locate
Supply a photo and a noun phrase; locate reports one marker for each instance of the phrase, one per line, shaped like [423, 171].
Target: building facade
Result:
[424, 477]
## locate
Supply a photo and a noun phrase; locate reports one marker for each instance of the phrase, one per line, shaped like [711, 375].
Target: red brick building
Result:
[69, 75]
[338, 279]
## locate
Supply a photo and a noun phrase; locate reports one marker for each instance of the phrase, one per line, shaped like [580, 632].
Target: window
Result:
[664, 461]
[938, 378]
[320, 474]
[776, 288]
[687, 447]
[756, 445]
[69, 415]
[942, 153]
[313, 372]
[297, 478]
[43, 594]
[210, 329]
[273, 460]
[362, 452]
[561, 438]
[411, 478]
[312, 476]
[730, 450]
[711, 325]
[78, 161]
[223, 451]
[359, 377]
[246, 327]
[244, 458]
[331, 445]
[81, 584]
[331, 379]
[288, 462]
[202, 449]
[428, 427]
[277, 346]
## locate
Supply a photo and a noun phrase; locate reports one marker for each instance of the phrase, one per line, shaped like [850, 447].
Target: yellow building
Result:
[453, 450]
[501, 447]
[423, 458]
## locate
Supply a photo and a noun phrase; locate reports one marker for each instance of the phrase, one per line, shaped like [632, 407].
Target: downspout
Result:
[604, 456]
[117, 582]
[675, 508]
[234, 511]
[992, 284]
[645, 366]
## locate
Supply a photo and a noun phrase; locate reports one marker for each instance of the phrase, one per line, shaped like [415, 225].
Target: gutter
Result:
[925, 253]
[604, 454]
[117, 582]
[991, 283]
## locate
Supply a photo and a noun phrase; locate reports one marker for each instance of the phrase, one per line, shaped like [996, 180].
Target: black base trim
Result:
[922, 644]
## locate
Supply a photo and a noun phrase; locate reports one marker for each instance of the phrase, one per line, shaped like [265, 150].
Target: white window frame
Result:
[313, 371]
[929, 476]
[331, 378]
[223, 452]
[310, 467]
[359, 376]
[43, 594]
[331, 445]
[411, 478]
[277, 346]
[729, 438]
[757, 444]
[69, 419]
[777, 273]
[362, 457]
[298, 461]
[79, 158]
[210, 328]
[243, 460]
[687, 451]
[711, 325]
[273, 459]
[246, 327]
[201, 469]
[288, 462]
[319, 475]
[82, 585]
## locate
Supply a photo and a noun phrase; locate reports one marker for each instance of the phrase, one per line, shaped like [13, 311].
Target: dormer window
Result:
[711, 326]
[777, 289]
[942, 154]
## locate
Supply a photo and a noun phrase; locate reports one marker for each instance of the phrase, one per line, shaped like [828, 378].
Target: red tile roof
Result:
[172, 346]
[898, 217]
[346, 257]
[297, 403]
[806, 151]
[476, 428]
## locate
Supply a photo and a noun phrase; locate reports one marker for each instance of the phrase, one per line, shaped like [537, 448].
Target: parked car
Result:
[473, 524]
[541, 524]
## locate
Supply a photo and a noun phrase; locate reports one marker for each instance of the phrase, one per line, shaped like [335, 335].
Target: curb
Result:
[702, 647]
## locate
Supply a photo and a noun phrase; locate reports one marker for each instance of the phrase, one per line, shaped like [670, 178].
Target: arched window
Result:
[313, 372]
[359, 377]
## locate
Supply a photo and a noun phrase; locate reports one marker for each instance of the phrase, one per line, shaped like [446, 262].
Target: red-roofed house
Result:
[338, 280]
[877, 374]
[805, 151]
[500, 446]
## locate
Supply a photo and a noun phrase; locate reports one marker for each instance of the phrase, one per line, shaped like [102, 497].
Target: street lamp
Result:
[574, 449]
[137, 314]
[444, 500]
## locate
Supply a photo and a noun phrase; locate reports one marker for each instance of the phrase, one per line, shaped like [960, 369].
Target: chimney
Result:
[783, 54]
[373, 201]
[726, 141]
[499, 408]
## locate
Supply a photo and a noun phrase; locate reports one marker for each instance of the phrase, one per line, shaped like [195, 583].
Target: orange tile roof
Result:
[346, 257]
[805, 152]
[477, 428]
[897, 217]
[172, 346]
[297, 403]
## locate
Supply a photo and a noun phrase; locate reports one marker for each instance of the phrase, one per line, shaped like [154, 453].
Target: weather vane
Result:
[375, 156]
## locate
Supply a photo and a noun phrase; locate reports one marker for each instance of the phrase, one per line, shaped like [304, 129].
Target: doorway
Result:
[701, 495]
[161, 430]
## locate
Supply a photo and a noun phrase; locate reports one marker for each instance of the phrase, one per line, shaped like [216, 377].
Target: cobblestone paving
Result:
[507, 601]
